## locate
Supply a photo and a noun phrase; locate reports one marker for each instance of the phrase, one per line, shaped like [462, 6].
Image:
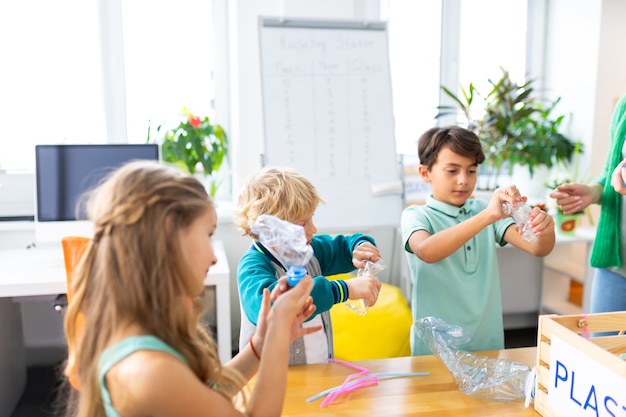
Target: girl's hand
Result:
[281, 287]
[365, 252]
[266, 301]
[292, 305]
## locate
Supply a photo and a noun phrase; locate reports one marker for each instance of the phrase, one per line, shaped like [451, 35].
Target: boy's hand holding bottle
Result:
[530, 221]
[364, 289]
[361, 305]
[502, 196]
[365, 252]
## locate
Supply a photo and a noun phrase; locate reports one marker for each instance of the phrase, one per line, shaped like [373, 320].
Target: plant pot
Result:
[566, 224]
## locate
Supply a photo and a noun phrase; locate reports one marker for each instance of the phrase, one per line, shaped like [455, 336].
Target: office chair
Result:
[73, 249]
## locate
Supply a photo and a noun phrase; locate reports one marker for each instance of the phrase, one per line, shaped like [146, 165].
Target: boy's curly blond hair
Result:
[281, 192]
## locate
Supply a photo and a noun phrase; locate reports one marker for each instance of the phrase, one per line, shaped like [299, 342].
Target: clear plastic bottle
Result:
[288, 240]
[488, 378]
[361, 305]
[521, 214]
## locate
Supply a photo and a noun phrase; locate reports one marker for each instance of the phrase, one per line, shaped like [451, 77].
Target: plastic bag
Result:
[496, 379]
[361, 306]
[287, 241]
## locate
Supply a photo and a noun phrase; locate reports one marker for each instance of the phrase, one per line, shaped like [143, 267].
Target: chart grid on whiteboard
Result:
[327, 110]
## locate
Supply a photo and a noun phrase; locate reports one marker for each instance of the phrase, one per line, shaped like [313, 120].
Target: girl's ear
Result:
[424, 172]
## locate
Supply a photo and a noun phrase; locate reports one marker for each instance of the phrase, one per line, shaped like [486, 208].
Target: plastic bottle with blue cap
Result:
[288, 242]
[294, 274]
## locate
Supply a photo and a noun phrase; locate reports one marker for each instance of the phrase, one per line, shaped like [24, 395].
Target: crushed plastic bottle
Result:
[361, 306]
[288, 241]
[521, 214]
[495, 379]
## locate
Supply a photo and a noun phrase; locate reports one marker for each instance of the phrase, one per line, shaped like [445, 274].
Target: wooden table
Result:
[434, 395]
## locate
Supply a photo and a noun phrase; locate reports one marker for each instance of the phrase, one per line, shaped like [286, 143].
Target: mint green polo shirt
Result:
[464, 288]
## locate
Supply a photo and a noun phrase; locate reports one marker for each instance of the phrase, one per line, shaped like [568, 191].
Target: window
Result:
[169, 62]
[490, 37]
[50, 80]
[88, 71]
[414, 55]
[448, 42]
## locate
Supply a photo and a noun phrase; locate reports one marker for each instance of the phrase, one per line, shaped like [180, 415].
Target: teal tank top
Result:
[121, 350]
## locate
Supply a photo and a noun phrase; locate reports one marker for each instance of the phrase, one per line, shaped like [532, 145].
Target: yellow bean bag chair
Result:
[383, 332]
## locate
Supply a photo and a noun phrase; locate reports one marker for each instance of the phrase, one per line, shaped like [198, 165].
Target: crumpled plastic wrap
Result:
[287, 241]
[496, 379]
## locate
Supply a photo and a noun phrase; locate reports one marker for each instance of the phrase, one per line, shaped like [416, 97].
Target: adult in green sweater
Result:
[608, 290]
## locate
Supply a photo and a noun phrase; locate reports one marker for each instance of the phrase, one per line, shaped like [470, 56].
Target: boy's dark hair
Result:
[460, 140]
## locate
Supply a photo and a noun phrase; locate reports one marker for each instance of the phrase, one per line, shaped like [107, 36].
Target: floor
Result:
[42, 385]
[515, 338]
[41, 391]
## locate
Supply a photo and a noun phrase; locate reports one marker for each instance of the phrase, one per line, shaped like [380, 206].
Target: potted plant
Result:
[196, 146]
[514, 126]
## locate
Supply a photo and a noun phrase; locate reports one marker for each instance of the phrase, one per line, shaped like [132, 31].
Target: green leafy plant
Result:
[567, 172]
[194, 145]
[514, 126]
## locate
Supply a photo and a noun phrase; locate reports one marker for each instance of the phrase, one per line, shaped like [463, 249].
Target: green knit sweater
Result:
[606, 248]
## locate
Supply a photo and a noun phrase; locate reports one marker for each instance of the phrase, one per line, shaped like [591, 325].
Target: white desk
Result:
[40, 271]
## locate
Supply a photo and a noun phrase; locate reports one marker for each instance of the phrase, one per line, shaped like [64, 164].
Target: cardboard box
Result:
[579, 370]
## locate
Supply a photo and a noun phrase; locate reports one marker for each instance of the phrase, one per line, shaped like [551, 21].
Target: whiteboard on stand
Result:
[327, 110]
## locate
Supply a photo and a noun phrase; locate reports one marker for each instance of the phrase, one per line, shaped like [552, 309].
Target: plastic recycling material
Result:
[495, 379]
[360, 306]
[287, 241]
[521, 214]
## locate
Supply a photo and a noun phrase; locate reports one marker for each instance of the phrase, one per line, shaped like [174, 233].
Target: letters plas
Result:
[580, 386]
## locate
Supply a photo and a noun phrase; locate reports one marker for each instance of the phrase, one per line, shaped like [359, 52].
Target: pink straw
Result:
[347, 388]
[349, 384]
[355, 381]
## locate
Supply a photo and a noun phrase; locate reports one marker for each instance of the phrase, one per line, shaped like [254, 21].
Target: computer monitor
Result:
[63, 173]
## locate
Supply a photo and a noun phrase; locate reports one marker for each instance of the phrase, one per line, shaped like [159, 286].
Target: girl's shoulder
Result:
[139, 383]
[131, 343]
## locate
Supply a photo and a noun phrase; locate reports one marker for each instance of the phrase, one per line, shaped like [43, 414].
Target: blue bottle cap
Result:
[295, 274]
